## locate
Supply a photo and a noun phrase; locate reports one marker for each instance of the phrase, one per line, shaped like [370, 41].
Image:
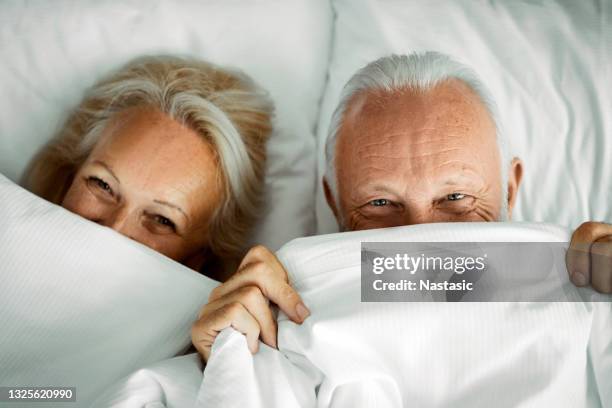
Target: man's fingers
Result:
[601, 264]
[266, 272]
[578, 258]
[578, 264]
[205, 330]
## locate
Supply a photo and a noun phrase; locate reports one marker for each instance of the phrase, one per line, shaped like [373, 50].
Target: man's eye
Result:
[380, 202]
[101, 184]
[455, 197]
[161, 220]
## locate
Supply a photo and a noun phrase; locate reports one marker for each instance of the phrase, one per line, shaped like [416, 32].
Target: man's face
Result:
[411, 157]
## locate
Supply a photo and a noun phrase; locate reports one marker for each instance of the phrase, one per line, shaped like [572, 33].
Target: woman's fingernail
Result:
[579, 279]
[302, 311]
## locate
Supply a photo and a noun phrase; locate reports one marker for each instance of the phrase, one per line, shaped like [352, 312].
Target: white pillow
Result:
[52, 52]
[81, 305]
[548, 65]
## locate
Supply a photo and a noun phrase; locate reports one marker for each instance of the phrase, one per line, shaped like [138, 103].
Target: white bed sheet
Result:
[355, 354]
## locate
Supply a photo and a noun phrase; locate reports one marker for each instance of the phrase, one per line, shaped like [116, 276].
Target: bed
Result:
[75, 318]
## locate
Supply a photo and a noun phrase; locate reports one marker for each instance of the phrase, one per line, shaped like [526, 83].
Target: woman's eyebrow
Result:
[176, 207]
[108, 168]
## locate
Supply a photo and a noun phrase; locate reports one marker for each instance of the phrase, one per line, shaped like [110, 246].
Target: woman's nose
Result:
[121, 221]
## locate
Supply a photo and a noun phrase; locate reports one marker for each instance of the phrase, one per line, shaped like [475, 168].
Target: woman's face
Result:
[153, 180]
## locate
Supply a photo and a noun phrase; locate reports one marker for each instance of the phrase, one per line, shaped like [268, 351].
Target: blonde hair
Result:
[226, 108]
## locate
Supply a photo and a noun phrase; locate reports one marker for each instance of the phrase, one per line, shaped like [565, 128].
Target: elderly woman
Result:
[170, 152]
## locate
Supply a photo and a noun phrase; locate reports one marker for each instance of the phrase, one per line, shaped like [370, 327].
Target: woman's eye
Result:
[379, 202]
[455, 197]
[101, 184]
[161, 220]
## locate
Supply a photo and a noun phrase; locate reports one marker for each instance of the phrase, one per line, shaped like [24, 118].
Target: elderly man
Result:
[415, 139]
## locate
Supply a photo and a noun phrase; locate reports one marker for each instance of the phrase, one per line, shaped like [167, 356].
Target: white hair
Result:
[417, 71]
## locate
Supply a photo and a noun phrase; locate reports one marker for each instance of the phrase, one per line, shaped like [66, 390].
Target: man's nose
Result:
[416, 215]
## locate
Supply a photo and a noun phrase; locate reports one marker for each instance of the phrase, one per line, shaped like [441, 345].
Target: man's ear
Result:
[515, 175]
[330, 199]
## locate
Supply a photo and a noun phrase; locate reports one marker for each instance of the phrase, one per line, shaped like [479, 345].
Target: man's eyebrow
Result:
[467, 180]
[380, 187]
[452, 182]
[108, 168]
[377, 188]
[167, 204]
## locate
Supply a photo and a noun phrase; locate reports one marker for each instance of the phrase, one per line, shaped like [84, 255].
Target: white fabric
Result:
[548, 65]
[170, 383]
[51, 52]
[354, 354]
[81, 305]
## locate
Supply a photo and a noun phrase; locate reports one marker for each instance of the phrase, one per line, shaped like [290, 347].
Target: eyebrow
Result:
[375, 187]
[161, 202]
[380, 188]
[465, 180]
[449, 181]
[167, 204]
[108, 168]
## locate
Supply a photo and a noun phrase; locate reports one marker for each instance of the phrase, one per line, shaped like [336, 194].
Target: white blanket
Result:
[354, 354]
[81, 305]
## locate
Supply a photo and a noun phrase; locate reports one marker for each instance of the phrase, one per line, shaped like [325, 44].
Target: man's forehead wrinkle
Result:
[369, 155]
[396, 116]
[417, 131]
[443, 125]
[449, 171]
[372, 168]
[413, 136]
[415, 156]
[464, 164]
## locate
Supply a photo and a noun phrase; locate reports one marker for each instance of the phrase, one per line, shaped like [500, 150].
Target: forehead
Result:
[445, 128]
[149, 150]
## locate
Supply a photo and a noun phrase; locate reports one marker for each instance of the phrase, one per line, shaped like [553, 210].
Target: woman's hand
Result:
[242, 302]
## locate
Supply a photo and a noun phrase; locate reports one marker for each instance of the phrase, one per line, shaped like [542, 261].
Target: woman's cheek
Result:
[168, 245]
[80, 201]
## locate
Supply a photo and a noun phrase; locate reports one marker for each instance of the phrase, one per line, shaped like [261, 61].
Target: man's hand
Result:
[242, 302]
[589, 257]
